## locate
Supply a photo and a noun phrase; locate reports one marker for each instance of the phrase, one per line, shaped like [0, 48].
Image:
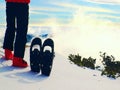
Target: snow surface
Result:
[64, 76]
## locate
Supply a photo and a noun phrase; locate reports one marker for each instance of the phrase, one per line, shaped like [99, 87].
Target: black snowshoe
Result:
[35, 54]
[47, 57]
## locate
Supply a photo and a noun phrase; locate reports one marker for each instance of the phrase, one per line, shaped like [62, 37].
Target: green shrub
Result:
[89, 62]
[85, 62]
[111, 67]
[76, 59]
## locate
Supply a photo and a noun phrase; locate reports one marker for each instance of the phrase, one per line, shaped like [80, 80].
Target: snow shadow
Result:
[22, 75]
[5, 66]
[30, 77]
[6, 69]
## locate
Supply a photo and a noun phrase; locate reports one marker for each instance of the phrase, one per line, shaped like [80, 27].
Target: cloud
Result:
[50, 14]
[106, 1]
[81, 17]
[86, 14]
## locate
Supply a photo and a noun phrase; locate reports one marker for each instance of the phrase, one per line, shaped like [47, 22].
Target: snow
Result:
[64, 76]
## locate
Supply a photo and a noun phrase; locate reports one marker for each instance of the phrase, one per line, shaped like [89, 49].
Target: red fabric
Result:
[19, 62]
[8, 54]
[18, 1]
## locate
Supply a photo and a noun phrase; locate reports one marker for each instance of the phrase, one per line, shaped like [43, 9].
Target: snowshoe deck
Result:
[47, 58]
[35, 54]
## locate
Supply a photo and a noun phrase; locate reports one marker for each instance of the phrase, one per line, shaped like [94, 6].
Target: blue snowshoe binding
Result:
[35, 54]
[47, 57]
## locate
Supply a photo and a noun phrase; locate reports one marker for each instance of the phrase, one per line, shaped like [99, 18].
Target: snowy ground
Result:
[66, 76]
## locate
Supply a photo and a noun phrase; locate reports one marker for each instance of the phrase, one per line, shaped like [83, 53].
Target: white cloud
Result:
[106, 1]
[80, 17]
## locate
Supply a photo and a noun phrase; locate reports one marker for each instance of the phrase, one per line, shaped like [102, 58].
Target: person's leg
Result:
[21, 32]
[10, 31]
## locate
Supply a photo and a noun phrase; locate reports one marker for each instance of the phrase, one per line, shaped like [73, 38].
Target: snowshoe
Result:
[35, 54]
[47, 58]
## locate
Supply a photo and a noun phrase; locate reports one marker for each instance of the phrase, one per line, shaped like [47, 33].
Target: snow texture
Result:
[64, 76]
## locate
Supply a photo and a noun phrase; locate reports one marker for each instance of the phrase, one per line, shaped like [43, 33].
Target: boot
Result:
[19, 62]
[8, 54]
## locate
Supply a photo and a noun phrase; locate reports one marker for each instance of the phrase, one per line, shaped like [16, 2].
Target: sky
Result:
[87, 21]
[70, 12]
